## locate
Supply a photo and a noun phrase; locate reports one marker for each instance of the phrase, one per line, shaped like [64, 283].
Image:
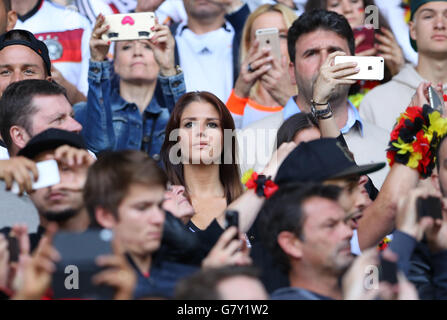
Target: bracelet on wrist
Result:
[313, 102]
[322, 114]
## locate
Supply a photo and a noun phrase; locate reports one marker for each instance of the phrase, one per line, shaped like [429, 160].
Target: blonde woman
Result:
[264, 84]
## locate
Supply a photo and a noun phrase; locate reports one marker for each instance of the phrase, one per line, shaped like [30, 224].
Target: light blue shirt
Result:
[291, 108]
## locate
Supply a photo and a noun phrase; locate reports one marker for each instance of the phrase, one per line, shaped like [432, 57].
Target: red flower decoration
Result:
[251, 183]
[413, 112]
[397, 128]
[270, 188]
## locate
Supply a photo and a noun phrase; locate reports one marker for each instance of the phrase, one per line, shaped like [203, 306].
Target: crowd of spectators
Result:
[198, 164]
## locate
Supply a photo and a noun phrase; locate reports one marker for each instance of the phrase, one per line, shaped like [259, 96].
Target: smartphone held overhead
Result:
[131, 26]
[371, 68]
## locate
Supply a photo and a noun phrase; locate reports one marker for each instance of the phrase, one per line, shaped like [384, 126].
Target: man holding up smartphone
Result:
[61, 203]
[313, 41]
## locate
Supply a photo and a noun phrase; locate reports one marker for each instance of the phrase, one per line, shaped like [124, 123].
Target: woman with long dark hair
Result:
[193, 155]
[199, 153]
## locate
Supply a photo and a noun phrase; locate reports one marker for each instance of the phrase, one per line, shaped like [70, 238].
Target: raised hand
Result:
[119, 274]
[99, 47]
[163, 44]
[256, 64]
[228, 251]
[19, 169]
[331, 76]
[389, 49]
[278, 83]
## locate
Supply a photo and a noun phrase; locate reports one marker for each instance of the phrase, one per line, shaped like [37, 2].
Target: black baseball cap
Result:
[320, 160]
[18, 36]
[51, 139]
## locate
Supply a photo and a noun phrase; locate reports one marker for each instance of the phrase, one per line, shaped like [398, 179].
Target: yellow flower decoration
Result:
[402, 146]
[413, 162]
[437, 124]
[246, 176]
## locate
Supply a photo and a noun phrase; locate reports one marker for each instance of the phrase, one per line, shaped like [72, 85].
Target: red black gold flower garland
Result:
[415, 138]
[263, 186]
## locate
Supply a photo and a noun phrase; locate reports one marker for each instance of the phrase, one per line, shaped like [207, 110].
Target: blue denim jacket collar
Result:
[121, 104]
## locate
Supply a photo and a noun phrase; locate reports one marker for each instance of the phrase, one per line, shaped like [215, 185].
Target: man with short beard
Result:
[307, 231]
[61, 203]
[313, 41]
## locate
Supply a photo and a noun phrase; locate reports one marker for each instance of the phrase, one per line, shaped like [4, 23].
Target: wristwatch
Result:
[321, 114]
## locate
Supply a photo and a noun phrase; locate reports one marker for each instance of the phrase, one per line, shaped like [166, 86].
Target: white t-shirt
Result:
[4, 154]
[66, 34]
[92, 8]
[207, 59]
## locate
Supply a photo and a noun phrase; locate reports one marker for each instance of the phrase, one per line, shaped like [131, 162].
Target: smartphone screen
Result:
[14, 249]
[368, 42]
[73, 276]
[232, 219]
[388, 271]
[429, 207]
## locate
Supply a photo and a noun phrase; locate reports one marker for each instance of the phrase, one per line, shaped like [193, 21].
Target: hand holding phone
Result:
[436, 101]
[429, 207]
[48, 171]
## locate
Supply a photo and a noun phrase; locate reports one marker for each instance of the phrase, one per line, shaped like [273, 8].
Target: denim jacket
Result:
[111, 123]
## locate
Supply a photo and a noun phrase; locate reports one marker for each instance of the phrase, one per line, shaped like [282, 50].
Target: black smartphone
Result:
[14, 248]
[387, 271]
[429, 207]
[73, 276]
[232, 219]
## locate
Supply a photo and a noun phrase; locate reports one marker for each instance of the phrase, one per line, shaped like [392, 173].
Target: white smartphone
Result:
[371, 68]
[48, 176]
[131, 26]
[269, 37]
